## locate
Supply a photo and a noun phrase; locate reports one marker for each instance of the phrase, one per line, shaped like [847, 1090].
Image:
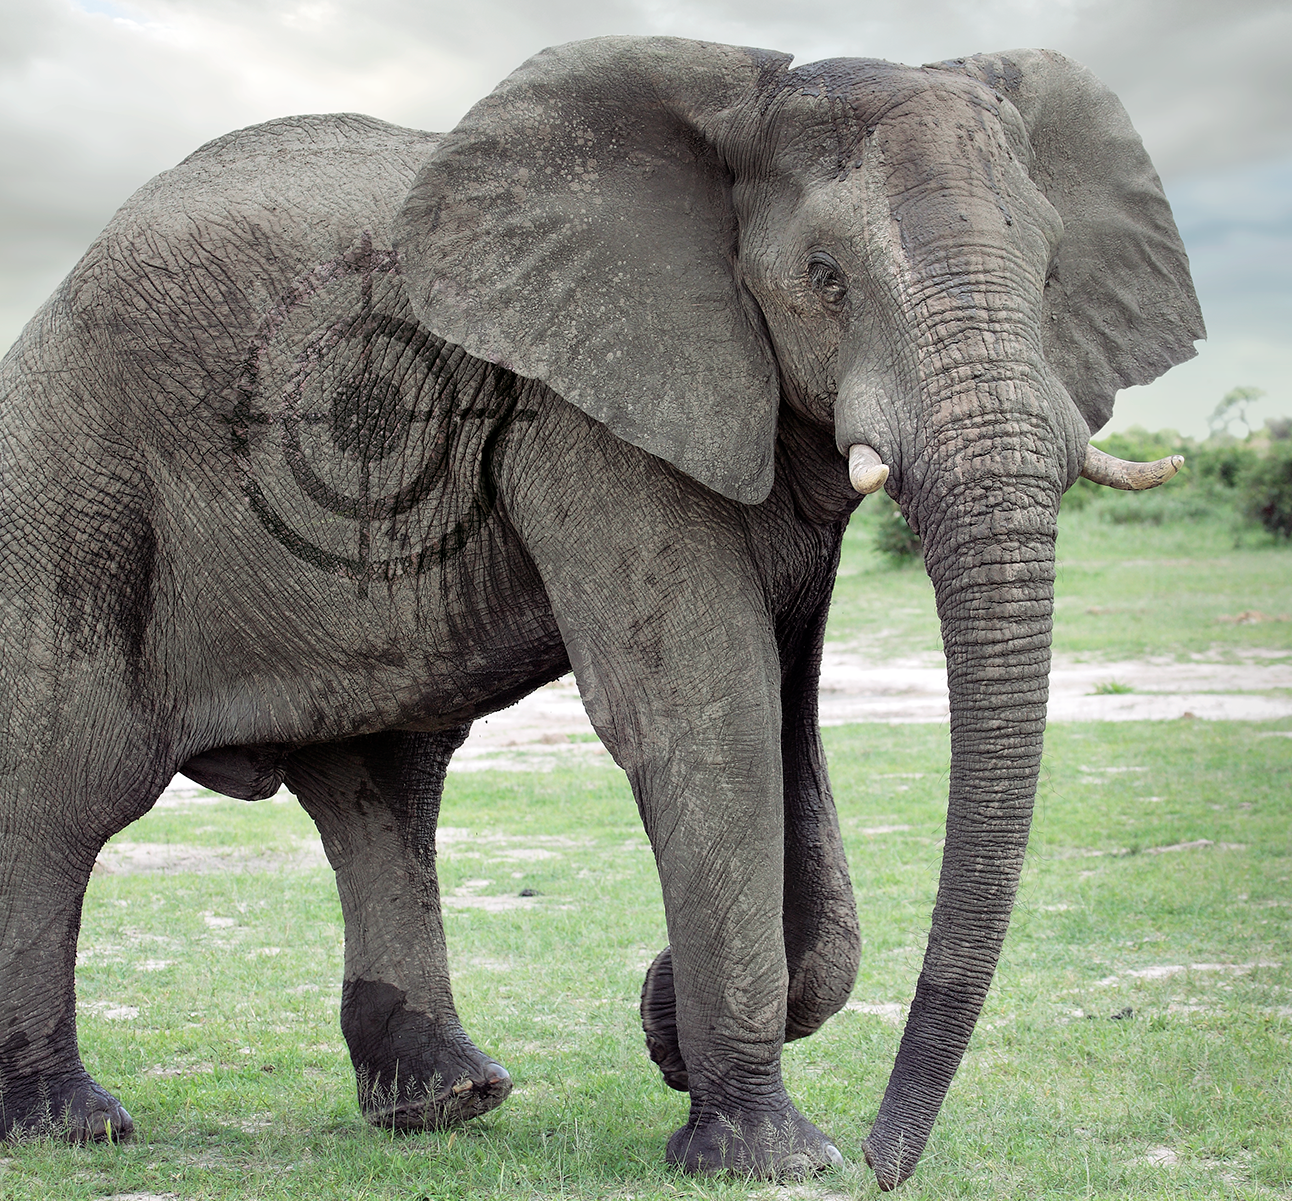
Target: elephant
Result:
[342, 435]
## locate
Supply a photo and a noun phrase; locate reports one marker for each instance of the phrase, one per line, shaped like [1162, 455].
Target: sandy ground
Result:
[549, 727]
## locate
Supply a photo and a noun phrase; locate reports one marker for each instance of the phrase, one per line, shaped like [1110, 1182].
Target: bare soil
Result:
[549, 727]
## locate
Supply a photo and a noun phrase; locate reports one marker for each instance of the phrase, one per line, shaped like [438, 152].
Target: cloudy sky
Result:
[96, 96]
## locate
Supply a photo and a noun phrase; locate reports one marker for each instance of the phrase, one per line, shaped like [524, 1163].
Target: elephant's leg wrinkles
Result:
[44, 1088]
[822, 938]
[376, 802]
[679, 671]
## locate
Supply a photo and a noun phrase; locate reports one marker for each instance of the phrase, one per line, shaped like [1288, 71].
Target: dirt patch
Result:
[109, 1011]
[174, 858]
[173, 1071]
[468, 896]
[549, 730]
[887, 1011]
[1159, 1157]
[1163, 971]
[139, 1197]
[1200, 844]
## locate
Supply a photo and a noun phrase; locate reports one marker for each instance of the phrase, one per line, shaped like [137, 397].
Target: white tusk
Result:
[865, 469]
[1112, 472]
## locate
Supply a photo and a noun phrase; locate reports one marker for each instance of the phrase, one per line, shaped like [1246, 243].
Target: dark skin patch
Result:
[68, 1103]
[105, 583]
[409, 1075]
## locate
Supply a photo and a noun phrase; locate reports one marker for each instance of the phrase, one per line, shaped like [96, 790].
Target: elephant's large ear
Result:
[1119, 305]
[577, 227]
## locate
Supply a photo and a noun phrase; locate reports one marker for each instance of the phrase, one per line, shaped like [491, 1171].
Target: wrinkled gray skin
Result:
[278, 504]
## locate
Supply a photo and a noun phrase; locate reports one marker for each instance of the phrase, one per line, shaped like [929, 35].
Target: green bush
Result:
[1223, 463]
[1210, 481]
[1267, 490]
[1140, 446]
[894, 539]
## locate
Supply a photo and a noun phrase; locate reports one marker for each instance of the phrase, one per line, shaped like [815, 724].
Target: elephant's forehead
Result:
[825, 117]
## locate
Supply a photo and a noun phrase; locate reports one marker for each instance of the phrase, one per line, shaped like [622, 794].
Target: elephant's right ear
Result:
[1119, 305]
[577, 227]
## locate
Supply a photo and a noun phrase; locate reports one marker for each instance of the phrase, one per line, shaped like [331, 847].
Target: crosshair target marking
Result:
[361, 453]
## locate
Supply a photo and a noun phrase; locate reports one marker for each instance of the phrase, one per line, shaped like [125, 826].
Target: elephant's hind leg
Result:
[53, 823]
[376, 802]
[44, 1088]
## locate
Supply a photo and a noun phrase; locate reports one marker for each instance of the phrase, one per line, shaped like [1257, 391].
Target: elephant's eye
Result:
[826, 279]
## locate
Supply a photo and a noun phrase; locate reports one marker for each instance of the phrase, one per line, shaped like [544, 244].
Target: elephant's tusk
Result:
[865, 469]
[1130, 477]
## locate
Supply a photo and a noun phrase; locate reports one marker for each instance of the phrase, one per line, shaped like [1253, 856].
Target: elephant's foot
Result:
[778, 1145]
[430, 1102]
[659, 1020]
[75, 1109]
[412, 1072]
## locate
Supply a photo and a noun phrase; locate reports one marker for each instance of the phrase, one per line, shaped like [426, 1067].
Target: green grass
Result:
[1054, 1098]
[236, 970]
[1123, 590]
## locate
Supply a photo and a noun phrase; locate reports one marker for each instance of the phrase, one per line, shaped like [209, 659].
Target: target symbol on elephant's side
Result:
[387, 467]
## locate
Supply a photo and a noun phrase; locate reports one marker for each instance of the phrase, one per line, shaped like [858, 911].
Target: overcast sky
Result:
[96, 96]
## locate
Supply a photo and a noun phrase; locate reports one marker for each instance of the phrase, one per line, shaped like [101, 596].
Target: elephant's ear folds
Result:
[577, 227]
[1120, 305]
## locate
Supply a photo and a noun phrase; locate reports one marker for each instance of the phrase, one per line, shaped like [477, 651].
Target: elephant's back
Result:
[226, 232]
[160, 314]
[307, 180]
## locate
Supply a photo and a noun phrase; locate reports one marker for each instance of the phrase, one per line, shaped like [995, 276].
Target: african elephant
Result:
[342, 435]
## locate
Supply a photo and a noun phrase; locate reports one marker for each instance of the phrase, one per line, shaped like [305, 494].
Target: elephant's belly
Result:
[256, 771]
[304, 669]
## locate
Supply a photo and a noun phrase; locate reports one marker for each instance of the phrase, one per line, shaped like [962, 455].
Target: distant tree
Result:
[1224, 414]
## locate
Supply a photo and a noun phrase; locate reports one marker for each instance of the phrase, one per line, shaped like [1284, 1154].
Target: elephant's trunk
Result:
[989, 548]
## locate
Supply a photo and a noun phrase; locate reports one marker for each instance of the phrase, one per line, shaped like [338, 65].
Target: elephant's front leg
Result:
[667, 628]
[705, 766]
[718, 835]
[822, 937]
[376, 802]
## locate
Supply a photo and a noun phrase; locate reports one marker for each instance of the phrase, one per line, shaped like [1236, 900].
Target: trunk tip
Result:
[890, 1170]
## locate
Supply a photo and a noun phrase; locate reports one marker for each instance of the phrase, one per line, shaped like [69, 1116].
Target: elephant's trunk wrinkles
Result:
[993, 571]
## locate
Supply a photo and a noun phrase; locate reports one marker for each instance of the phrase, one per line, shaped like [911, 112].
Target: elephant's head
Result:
[950, 270]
